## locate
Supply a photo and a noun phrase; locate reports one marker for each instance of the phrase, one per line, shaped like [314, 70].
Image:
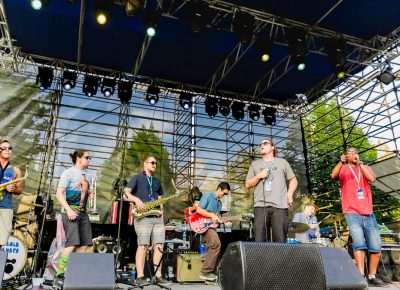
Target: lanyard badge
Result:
[359, 192]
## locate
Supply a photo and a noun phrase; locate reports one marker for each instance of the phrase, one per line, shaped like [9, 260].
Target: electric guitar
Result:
[199, 224]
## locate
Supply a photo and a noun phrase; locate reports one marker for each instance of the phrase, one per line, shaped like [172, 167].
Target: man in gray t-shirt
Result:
[307, 217]
[272, 198]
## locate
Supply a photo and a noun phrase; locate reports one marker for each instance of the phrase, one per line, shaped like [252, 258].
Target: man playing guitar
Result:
[210, 206]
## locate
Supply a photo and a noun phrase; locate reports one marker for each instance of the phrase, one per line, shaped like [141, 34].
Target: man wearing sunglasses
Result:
[272, 198]
[7, 173]
[354, 178]
[72, 193]
[143, 188]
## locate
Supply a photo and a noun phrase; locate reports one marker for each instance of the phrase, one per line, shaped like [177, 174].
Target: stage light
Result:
[44, 78]
[125, 91]
[152, 95]
[132, 7]
[224, 107]
[211, 107]
[238, 110]
[198, 15]
[108, 87]
[151, 21]
[263, 48]
[102, 11]
[38, 4]
[243, 26]
[336, 57]
[269, 115]
[90, 85]
[254, 112]
[68, 80]
[298, 47]
[185, 100]
[387, 76]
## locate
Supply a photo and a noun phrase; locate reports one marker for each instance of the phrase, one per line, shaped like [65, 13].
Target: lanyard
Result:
[3, 170]
[150, 181]
[358, 179]
[270, 175]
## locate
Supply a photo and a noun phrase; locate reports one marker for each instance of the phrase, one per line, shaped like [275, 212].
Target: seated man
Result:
[307, 216]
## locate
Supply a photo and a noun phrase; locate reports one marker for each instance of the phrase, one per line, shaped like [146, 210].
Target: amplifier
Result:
[187, 266]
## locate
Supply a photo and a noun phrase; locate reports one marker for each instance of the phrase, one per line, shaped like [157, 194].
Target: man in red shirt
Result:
[354, 178]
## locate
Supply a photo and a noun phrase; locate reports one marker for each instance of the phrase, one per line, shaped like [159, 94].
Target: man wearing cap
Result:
[307, 216]
[354, 178]
[272, 198]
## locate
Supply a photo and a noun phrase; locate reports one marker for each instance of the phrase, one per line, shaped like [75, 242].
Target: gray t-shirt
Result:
[301, 217]
[281, 172]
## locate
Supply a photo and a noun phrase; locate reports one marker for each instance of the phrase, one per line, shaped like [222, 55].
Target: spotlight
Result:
[224, 107]
[269, 116]
[254, 112]
[185, 100]
[102, 11]
[125, 92]
[211, 107]
[90, 85]
[151, 21]
[243, 26]
[238, 110]
[263, 48]
[132, 7]
[68, 80]
[337, 57]
[44, 78]
[387, 76]
[298, 47]
[152, 95]
[107, 87]
[38, 4]
[198, 14]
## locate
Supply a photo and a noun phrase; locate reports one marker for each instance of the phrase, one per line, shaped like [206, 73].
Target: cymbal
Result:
[298, 227]
[31, 204]
[332, 218]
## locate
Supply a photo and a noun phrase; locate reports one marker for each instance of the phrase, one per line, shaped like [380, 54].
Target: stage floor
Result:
[201, 286]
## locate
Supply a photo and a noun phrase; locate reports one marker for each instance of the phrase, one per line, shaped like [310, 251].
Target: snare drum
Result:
[323, 242]
[16, 259]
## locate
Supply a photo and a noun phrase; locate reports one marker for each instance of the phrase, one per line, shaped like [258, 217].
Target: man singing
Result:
[272, 198]
[354, 178]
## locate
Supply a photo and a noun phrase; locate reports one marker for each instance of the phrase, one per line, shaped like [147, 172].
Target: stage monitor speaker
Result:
[3, 259]
[187, 267]
[254, 266]
[90, 271]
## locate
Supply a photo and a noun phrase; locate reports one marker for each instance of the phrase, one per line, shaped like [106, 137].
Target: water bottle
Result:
[133, 274]
[202, 250]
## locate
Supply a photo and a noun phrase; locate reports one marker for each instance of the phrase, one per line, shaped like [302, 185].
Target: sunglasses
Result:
[352, 152]
[87, 157]
[152, 162]
[265, 143]
[6, 148]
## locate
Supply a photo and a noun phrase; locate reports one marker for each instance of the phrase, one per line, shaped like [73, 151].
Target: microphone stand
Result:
[120, 194]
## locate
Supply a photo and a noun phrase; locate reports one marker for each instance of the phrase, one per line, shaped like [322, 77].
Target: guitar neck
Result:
[232, 218]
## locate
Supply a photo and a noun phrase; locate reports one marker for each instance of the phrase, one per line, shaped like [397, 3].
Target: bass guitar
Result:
[199, 224]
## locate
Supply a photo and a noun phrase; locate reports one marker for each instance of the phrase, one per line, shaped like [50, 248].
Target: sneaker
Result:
[377, 283]
[58, 281]
[208, 277]
[163, 282]
[140, 281]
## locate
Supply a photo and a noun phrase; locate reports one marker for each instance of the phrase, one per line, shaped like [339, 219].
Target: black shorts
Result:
[79, 231]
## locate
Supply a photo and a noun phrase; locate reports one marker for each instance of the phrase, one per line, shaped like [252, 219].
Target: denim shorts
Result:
[149, 229]
[364, 232]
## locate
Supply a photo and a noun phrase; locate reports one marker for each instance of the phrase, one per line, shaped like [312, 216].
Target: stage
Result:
[200, 286]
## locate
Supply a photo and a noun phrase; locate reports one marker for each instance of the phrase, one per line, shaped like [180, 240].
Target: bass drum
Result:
[16, 259]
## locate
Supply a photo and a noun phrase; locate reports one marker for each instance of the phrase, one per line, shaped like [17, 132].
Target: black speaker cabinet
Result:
[254, 266]
[3, 259]
[90, 271]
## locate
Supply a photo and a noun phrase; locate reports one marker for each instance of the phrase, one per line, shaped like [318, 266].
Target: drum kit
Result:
[23, 239]
[330, 236]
